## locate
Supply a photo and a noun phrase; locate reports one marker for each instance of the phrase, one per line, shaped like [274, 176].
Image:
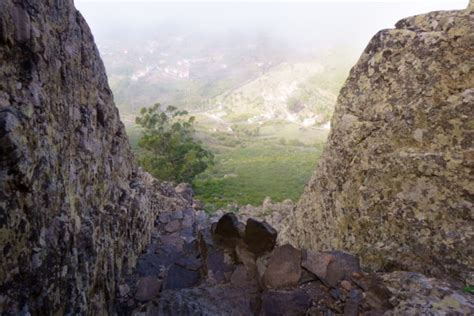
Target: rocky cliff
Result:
[394, 186]
[395, 183]
[75, 211]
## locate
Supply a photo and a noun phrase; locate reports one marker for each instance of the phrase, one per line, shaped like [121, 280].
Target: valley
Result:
[262, 93]
[266, 134]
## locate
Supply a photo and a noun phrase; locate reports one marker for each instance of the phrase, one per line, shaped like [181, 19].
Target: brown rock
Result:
[284, 268]
[377, 296]
[164, 217]
[172, 243]
[416, 294]
[341, 267]
[227, 227]
[198, 205]
[177, 214]
[212, 300]
[69, 181]
[219, 266]
[185, 190]
[147, 288]
[188, 221]
[353, 303]
[317, 263]
[124, 289]
[307, 277]
[259, 236]
[261, 263]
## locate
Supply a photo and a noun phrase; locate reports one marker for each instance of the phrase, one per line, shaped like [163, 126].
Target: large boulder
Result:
[395, 182]
[75, 209]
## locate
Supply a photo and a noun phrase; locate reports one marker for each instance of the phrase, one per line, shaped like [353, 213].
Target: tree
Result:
[168, 148]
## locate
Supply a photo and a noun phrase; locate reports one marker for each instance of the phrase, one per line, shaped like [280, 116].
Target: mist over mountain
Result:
[187, 54]
[260, 78]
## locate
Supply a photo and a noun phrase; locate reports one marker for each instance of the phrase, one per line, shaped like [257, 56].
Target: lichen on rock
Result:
[395, 186]
[395, 182]
[75, 210]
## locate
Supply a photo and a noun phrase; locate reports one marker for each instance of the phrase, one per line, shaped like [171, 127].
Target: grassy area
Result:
[256, 155]
[249, 173]
[276, 162]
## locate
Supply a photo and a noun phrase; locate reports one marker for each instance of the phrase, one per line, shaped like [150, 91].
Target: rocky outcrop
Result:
[215, 273]
[198, 270]
[75, 211]
[395, 182]
[77, 215]
[415, 294]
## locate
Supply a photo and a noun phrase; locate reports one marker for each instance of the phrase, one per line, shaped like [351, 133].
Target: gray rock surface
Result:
[147, 288]
[84, 231]
[395, 183]
[416, 294]
[75, 210]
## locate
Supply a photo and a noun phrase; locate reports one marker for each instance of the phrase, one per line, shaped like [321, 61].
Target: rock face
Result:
[75, 211]
[395, 183]
[414, 294]
[395, 186]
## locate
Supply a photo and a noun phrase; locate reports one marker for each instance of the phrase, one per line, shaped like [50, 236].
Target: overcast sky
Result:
[447, 3]
[297, 23]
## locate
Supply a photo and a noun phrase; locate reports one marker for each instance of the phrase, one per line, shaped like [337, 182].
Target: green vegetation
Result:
[265, 134]
[251, 162]
[168, 149]
[469, 289]
[246, 175]
[277, 162]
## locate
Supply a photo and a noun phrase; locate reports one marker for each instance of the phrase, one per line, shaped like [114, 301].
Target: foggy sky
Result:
[318, 24]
